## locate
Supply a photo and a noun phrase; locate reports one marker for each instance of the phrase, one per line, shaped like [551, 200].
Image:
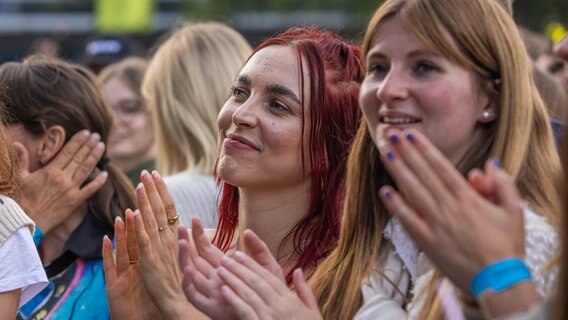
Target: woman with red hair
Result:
[284, 137]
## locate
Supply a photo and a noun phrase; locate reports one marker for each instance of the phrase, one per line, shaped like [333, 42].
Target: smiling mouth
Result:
[398, 120]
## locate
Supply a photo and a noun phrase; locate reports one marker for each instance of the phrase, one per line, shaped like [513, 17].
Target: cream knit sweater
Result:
[12, 217]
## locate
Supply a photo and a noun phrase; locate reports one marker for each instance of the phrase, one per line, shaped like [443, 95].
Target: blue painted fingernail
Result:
[390, 155]
[388, 195]
[410, 137]
[496, 163]
[394, 139]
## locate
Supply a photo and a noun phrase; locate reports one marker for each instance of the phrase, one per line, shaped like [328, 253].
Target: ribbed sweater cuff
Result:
[12, 217]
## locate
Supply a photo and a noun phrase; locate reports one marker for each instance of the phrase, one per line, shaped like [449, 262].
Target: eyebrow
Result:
[281, 90]
[271, 88]
[418, 53]
[411, 54]
[244, 79]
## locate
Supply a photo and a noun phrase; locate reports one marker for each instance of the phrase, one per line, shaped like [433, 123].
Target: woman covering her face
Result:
[48, 101]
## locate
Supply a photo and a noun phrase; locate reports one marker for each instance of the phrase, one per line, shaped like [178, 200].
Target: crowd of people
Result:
[420, 174]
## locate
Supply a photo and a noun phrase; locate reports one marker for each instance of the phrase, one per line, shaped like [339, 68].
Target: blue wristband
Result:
[38, 236]
[500, 276]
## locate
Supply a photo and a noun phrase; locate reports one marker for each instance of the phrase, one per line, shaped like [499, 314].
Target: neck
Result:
[272, 213]
[52, 245]
[131, 162]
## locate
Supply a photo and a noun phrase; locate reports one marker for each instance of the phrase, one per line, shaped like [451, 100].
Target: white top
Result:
[195, 195]
[20, 266]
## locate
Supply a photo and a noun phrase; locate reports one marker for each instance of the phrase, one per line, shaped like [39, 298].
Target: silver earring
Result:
[487, 116]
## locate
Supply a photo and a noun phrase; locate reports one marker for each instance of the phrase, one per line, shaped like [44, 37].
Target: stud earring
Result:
[487, 116]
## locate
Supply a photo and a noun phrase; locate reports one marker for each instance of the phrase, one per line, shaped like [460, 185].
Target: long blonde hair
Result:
[486, 41]
[186, 84]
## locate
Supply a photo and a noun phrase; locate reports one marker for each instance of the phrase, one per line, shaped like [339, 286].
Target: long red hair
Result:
[336, 71]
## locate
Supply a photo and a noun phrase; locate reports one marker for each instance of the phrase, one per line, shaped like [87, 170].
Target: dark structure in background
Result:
[63, 26]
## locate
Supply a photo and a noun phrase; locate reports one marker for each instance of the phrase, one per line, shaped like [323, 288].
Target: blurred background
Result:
[80, 29]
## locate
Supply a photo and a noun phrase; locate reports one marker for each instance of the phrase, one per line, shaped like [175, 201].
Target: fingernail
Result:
[156, 175]
[140, 186]
[100, 147]
[95, 137]
[118, 218]
[388, 195]
[394, 139]
[240, 256]
[145, 172]
[222, 271]
[84, 133]
[390, 155]
[226, 261]
[410, 137]
[104, 174]
[496, 163]
[225, 289]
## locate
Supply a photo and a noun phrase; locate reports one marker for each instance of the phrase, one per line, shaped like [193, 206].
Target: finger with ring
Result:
[173, 220]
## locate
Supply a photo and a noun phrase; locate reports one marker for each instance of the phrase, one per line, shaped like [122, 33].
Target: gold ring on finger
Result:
[173, 220]
[160, 229]
[133, 261]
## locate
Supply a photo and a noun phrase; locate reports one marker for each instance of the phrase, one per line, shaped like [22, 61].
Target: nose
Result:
[392, 87]
[245, 115]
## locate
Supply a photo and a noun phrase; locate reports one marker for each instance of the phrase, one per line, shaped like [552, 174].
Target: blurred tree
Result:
[535, 15]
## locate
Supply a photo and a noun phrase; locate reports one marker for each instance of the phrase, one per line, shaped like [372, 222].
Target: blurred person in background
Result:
[187, 82]
[131, 141]
[556, 67]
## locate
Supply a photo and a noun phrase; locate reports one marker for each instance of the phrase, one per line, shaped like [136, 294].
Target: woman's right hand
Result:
[127, 297]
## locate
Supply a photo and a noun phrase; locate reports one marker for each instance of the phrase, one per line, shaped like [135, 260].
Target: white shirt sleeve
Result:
[20, 265]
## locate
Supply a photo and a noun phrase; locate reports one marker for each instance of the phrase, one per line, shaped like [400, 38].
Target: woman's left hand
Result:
[256, 293]
[461, 229]
[156, 232]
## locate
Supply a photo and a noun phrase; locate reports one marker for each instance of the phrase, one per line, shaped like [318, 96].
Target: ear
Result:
[52, 141]
[489, 100]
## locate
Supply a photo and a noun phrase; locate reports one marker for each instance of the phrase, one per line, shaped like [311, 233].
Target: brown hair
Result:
[42, 92]
[488, 43]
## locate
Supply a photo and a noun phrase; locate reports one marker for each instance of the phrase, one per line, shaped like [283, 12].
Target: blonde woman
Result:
[187, 83]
